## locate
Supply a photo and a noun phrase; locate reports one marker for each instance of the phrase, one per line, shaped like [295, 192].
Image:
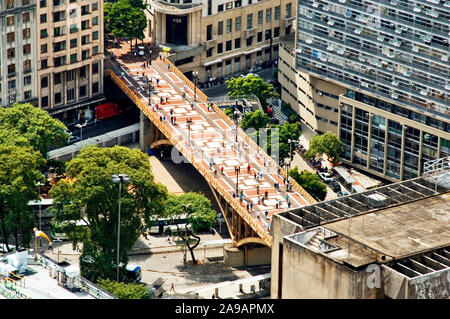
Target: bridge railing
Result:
[190, 156]
[246, 138]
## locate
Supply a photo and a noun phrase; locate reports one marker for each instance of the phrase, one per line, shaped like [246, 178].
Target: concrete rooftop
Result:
[400, 231]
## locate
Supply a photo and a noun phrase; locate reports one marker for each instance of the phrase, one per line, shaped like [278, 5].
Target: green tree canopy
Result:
[255, 119]
[19, 172]
[251, 84]
[203, 216]
[90, 194]
[310, 182]
[124, 291]
[34, 125]
[126, 19]
[327, 143]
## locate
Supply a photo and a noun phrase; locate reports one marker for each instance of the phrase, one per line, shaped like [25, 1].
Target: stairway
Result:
[315, 240]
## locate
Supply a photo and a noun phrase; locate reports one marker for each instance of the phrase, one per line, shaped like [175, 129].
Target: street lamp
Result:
[186, 210]
[195, 74]
[290, 152]
[237, 169]
[236, 121]
[80, 126]
[269, 33]
[119, 179]
[189, 122]
[39, 184]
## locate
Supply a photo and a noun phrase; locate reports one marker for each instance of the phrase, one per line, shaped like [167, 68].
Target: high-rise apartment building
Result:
[391, 61]
[70, 64]
[18, 51]
[220, 37]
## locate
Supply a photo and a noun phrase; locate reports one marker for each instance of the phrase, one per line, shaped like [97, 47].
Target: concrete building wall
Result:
[307, 274]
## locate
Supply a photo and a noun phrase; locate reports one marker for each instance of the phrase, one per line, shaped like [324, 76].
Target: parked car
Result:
[342, 193]
[72, 139]
[335, 186]
[91, 122]
[255, 68]
[326, 177]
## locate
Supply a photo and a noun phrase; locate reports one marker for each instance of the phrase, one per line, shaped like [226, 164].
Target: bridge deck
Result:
[210, 139]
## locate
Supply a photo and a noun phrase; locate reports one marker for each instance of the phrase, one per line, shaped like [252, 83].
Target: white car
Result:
[326, 177]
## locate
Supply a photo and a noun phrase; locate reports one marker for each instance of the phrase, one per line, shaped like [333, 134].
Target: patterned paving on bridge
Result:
[210, 138]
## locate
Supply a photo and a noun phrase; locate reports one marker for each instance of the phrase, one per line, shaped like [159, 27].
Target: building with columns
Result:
[70, 57]
[18, 81]
[377, 75]
[219, 37]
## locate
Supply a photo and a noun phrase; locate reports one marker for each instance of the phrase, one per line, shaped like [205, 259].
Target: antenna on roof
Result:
[349, 225]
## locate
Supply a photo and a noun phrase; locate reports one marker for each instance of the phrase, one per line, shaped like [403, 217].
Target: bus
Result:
[168, 225]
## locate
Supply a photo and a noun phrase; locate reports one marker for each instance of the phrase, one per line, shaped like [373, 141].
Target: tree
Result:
[287, 131]
[126, 19]
[35, 125]
[19, 172]
[90, 194]
[255, 119]
[327, 143]
[124, 291]
[310, 182]
[200, 216]
[251, 84]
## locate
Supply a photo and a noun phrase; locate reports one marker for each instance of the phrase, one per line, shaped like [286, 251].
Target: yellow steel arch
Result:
[251, 240]
[159, 143]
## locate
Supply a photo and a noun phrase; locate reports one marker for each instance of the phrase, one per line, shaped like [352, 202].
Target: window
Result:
[84, 10]
[58, 31]
[237, 3]
[43, 3]
[83, 90]
[43, 18]
[84, 39]
[260, 17]
[237, 24]
[220, 28]
[73, 58]
[220, 8]
[44, 63]
[11, 53]
[10, 37]
[11, 69]
[208, 32]
[44, 82]
[228, 5]
[27, 65]
[11, 84]
[237, 43]
[95, 21]
[73, 28]
[44, 101]
[9, 4]
[288, 10]
[59, 61]
[44, 48]
[249, 2]
[229, 22]
[95, 35]
[219, 48]
[83, 72]
[26, 17]
[84, 54]
[249, 41]
[259, 37]
[268, 34]
[209, 52]
[94, 87]
[58, 98]
[27, 80]
[57, 78]
[73, 43]
[228, 45]
[94, 6]
[249, 21]
[70, 75]
[84, 24]
[269, 15]
[26, 33]
[95, 50]
[276, 32]
[27, 95]
[10, 21]
[95, 68]
[70, 94]
[44, 33]
[276, 13]
[25, 2]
